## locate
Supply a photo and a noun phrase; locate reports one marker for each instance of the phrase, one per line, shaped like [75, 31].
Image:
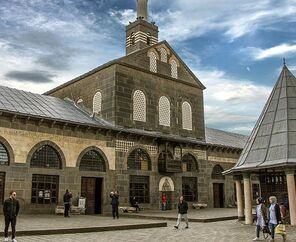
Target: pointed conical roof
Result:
[272, 142]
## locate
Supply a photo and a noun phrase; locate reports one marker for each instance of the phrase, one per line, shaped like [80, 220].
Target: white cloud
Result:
[281, 50]
[180, 20]
[231, 103]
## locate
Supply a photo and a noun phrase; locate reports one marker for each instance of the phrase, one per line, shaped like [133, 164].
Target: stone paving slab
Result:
[53, 224]
[194, 215]
[226, 231]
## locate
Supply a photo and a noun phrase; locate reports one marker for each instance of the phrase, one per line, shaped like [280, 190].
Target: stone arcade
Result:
[135, 124]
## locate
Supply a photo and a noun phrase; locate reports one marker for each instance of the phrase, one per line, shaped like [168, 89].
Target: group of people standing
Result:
[273, 216]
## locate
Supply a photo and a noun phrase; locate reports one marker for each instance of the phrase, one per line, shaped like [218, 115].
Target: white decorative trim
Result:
[164, 111]
[139, 106]
[168, 180]
[186, 116]
[123, 146]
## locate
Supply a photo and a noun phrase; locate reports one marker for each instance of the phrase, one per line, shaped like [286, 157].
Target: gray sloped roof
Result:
[41, 106]
[220, 137]
[273, 140]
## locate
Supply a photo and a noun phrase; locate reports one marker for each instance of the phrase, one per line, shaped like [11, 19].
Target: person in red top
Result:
[163, 202]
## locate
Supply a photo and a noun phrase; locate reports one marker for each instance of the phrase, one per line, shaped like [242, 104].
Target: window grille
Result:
[217, 173]
[92, 161]
[164, 111]
[139, 106]
[46, 157]
[189, 188]
[4, 157]
[189, 163]
[153, 62]
[139, 188]
[174, 69]
[186, 116]
[138, 159]
[97, 102]
[45, 189]
[163, 55]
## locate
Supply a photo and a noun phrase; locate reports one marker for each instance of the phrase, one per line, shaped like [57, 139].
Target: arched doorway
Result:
[92, 161]
[218, 186]
[166, 188]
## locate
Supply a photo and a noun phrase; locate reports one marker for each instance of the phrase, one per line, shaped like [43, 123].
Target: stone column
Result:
[248, 198]
[292, 195]
[239, 197]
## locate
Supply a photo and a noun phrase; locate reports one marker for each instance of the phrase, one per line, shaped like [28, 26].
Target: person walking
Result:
[182, 212]
[67, 200]
[11, 209]
[163, 202]
[261, 215]
[114, 202]
[274, 217]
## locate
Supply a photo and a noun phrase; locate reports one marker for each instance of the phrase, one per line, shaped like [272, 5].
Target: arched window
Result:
[132, 38]
[164, 111]
[163, 55]
[153, 62]
[139, 106]
[217, 173]
[46, 157]
[138, 159]
[4, 157]
[186, 116]
[189, 163]
[148, 38]
[92, 161]
[174, 69]
[97, 103]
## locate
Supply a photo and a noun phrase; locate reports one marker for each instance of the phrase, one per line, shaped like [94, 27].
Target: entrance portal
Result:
[166, 187]
[91, 189]
[218, 194]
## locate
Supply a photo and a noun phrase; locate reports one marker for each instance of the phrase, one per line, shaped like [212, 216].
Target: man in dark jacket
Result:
[182, 212]
[67, 200]
[114, 202]
[11, 209]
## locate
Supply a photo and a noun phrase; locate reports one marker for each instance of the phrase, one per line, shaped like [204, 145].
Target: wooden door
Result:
[218, 195]
[88, 189]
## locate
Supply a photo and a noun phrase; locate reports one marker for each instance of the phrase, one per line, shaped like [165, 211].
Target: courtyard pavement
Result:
[194, 215]
[226, 231]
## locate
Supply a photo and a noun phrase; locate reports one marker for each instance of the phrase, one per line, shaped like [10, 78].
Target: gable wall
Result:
[86, 88]
[128, 80]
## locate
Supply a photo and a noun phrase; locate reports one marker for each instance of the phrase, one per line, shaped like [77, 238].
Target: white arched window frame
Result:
[153, 62]
[186, 116]
[164, 111]
[139, 106]
[163, 55]
[97, 102]
[174, 69]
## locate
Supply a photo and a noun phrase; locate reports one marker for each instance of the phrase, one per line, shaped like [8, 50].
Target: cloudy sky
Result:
[235, 47]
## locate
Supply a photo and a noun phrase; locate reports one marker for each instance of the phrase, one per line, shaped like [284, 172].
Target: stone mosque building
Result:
[135, 124]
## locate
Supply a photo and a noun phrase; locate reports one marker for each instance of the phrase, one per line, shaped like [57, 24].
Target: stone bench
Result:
[199, 205]
[74, 210]
[127, 209]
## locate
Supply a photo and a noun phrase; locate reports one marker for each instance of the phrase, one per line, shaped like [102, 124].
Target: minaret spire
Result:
[142, 9]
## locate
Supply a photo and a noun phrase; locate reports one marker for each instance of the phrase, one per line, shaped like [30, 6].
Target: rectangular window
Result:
[45, 189]
[139, 188]
[2, 185]
[189, 188]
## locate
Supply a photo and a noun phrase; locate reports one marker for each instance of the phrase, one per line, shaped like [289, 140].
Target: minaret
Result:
[142, 9]
[141, 33]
